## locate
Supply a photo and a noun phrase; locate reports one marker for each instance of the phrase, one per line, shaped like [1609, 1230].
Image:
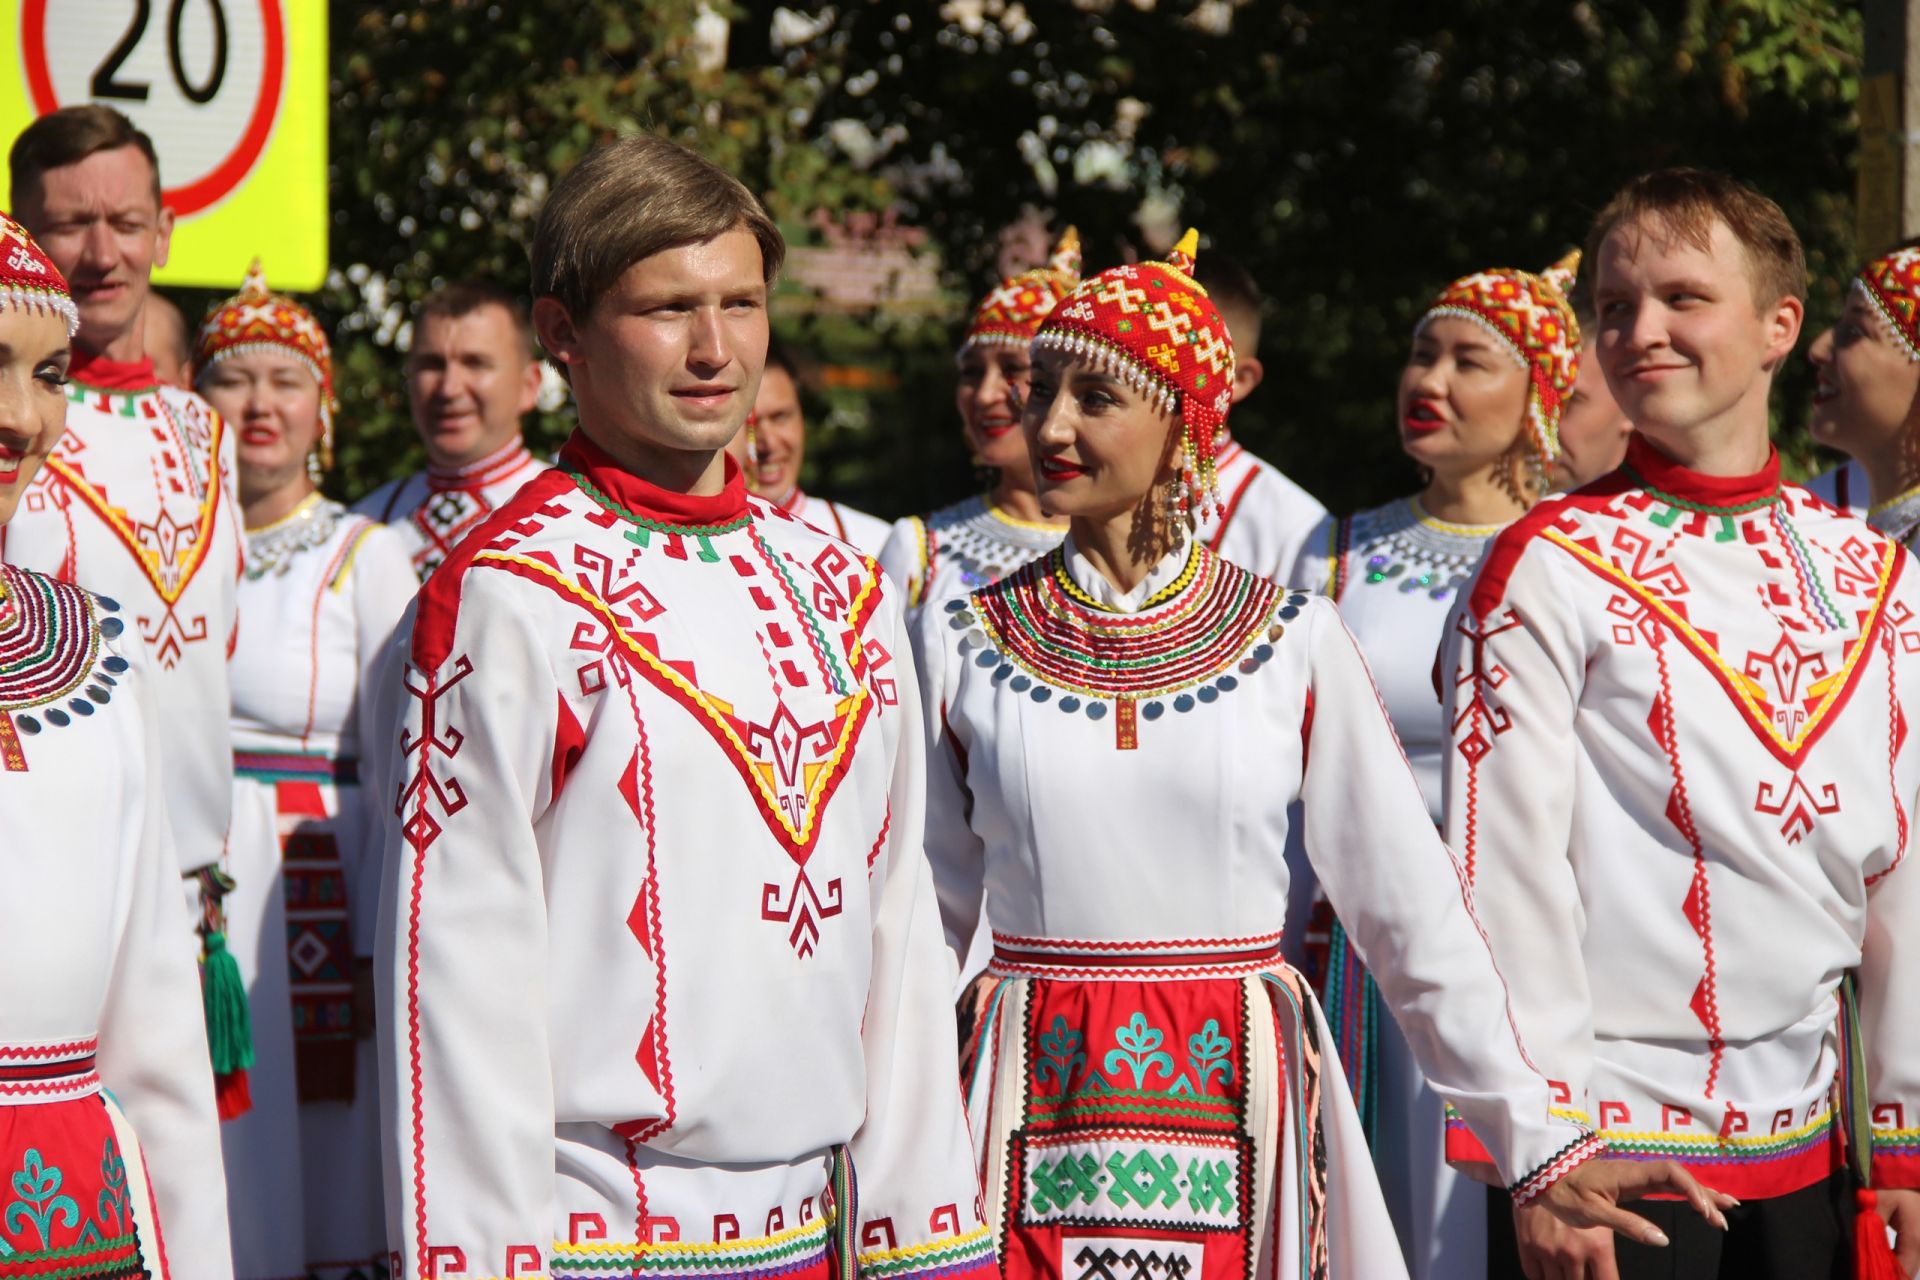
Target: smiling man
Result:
[472, 375]
[663, 971]
[1683, 781]
[137, 501]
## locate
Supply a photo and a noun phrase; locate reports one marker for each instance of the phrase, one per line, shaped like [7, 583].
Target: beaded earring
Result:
[1196, 489]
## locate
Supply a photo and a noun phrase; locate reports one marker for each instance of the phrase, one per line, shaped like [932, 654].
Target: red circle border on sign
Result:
[216, 186]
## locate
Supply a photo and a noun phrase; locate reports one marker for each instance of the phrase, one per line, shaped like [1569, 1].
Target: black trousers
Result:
[1803, 1235]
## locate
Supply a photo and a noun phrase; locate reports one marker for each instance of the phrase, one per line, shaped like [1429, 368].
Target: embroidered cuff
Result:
[1575, 1153]
[966, 1255]
[1896, 1159]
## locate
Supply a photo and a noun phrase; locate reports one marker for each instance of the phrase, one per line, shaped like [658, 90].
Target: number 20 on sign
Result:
[233, 94]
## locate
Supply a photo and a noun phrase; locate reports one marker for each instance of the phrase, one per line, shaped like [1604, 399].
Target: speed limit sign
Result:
[233, 94]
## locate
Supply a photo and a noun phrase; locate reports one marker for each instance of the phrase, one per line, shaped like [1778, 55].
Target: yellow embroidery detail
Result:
[1748, 691]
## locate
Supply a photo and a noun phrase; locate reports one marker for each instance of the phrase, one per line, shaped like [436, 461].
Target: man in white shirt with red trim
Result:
[472, 375]
[1683, 776]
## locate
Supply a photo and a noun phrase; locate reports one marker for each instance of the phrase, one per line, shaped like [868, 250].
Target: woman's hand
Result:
[1566, 1233]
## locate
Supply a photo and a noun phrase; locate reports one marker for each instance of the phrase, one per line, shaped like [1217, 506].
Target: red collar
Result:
[112, 375]
[1659, 472]
[649, 500]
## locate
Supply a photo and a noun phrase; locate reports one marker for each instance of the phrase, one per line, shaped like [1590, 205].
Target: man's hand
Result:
[1901, 1211]
[1566, 1233]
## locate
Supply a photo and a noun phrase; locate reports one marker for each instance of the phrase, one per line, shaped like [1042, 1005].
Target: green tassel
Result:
[229, 1029]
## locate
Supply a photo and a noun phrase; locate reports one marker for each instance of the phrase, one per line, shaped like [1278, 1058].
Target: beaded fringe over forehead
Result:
[28, 279]
[1013, 310]
[1531, 321]
[1114, 361]
[1891, 286]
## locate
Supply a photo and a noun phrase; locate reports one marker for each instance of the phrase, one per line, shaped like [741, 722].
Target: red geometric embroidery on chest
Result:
[444, 518]
[172, 543]
[794, 753]
[1788, 691]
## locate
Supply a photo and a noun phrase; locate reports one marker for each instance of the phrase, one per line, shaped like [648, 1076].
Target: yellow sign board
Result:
[233, 94]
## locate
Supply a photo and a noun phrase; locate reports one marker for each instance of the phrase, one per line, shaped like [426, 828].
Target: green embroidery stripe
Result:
[1811, 573]
[1701, 508]
[842, 685]
[623, 1261]
[965, 1252]
[90, 1257]
[1081, 1105]
[658, 526]
[1764, 1149]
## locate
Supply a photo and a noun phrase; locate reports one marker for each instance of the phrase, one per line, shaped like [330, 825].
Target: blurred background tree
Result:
[1354, 154]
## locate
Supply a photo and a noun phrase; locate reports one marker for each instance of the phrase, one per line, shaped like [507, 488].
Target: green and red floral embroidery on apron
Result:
[67, 1205]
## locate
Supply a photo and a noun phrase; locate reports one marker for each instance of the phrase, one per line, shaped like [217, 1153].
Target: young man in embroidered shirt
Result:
[137, 501]
[1682, 779]
[664, 973]
[472, 375]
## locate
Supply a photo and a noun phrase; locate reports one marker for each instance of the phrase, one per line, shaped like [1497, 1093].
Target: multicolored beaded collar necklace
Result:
[1041, 635]
[53, 667]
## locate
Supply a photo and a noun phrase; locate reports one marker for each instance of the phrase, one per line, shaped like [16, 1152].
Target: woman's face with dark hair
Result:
[1099, 447]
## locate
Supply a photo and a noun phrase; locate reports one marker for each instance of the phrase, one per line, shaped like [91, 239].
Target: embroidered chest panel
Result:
[54, 666]
[1789, 649]
[1399, 546]
[148, 466]
[970, 546]
[1043, 638]
[790, 719]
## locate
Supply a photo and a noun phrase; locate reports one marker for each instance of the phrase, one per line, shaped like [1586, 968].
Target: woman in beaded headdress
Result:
[322, 591]
[1866, 400]
[1122, 735]
[108, 1131]
[975, 541]
[1494, 360]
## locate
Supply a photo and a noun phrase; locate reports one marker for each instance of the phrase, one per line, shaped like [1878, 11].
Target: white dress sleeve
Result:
[912, 1156]
[153, 1035]
[955, 853]
[1405, 902]
[467, 1106]
[1512, 673]
[382, 582]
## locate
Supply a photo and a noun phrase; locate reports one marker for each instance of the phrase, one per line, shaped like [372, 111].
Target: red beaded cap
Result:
[1534, 322]
[28, 278]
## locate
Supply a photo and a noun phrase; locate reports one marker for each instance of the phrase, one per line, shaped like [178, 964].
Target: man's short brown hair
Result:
[1233, 290]
[1687, 202]
[464, 297]
[630, 200]
[70, 135]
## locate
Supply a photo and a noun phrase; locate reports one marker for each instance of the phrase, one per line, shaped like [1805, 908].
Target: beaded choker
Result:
[1191, 643]
[53, 667]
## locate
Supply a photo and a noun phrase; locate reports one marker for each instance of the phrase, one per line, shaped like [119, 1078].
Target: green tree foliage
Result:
[1355, 154]
[451, 120]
